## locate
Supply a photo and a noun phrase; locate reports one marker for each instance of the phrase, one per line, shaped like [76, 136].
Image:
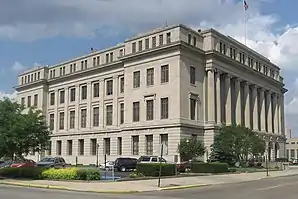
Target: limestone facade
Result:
[157, 87]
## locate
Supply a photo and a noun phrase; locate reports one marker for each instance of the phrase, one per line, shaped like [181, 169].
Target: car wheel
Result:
[122, 168]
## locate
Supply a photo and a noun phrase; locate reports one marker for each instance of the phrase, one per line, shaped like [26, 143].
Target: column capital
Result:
[252, 86]
[261, 89]
[218, 71]
[237, 80]
[210, 70]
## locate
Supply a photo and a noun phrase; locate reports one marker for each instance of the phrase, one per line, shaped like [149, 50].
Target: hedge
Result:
[152, 169]
[212, 167]
[51, 174]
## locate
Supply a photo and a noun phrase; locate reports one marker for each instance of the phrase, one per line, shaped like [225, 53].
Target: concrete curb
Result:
[183, 187]
[67, 188]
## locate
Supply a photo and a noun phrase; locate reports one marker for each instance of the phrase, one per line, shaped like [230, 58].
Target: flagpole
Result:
[245, 25]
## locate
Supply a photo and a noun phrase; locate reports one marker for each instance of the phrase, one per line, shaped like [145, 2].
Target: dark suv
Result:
[56, 162]
[125, 164]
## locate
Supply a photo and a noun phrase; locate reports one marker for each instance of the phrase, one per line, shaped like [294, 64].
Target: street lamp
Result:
[97, 154]
[160, 162]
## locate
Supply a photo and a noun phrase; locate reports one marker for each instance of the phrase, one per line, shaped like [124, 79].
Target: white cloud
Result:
[11, 96]
[18, 67]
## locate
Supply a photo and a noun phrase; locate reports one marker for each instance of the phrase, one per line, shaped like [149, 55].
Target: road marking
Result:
[276, 186]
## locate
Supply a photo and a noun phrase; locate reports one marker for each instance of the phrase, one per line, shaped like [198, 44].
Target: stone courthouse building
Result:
[156, 88]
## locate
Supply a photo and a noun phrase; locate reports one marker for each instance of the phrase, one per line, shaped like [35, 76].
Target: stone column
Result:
[218, 98]
[275, 113]
[237, 102]
[211, 96]
[269, 112]
[262, 110]
[254, 105]
[228, 99]
[246, 104]
[282, 115]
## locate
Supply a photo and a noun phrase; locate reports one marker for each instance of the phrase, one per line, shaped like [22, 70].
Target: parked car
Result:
[108, 165]
[5, 164]
[151, 159]
[125, 164]
[23, 163]
[49, 162]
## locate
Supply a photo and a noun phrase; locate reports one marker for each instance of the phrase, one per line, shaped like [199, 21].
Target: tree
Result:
[236, 144]
[190, 148]
[21, 131]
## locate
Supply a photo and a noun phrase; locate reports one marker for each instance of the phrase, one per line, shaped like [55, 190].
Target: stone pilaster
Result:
[228, 100]
[237, 101]
[254, 104]
[211, 95]
[275, 113]
[262, 115]
[218, 98]
[246, 103]
[269, 111]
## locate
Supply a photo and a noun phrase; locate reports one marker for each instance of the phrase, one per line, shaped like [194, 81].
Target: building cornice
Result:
[31, 85]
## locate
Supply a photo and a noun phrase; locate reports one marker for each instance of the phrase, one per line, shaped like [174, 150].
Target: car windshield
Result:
[48, 160]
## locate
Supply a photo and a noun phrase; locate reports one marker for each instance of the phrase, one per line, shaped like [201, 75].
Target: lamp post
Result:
[160, 162]
[97, 154]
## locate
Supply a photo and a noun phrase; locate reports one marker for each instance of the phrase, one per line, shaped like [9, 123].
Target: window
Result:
[164, 112]
[150, 77]
[232, 53]
[136, 79]
[189, 39]
[194, 41]
[81, 147]
[34, 76]
[150, 109]
[96, 116]
[69, 147]
[119, 146]
[52, 122]
[26, 78]
[38, 76]
[74, 67]
[120, 52]
[49, 149]
[107, 146]
[52, 99]
[109, 116]
[83, 118]
[72, 117]
[93, 147]
[164, 141]
[122, 85]
[72, 94]
[242, 58]
[82, 65]
[193, 104]
[222, 48]
[111, 57]
[96, 90]
[31, 77]
[121, 113]
[23, 101]
[28, 101]
[86, 65]
[94, 61]
[61, 120]
[35, 100]
[292, 151]
[22, 82]
[71, 69]
[136, 111]
[62, 97]
[109, 88]
[192, 75]
[164, 70]
[107, 58]
[168, 37]
[153, 42]
[160, 40]
[147, 43]
[135, 145]
[84, 92]
[58, 147]
[250, 62]
[149, 144]
[140, 45]
[133, 47]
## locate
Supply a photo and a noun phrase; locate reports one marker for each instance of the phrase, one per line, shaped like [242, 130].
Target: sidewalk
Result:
[149, 185]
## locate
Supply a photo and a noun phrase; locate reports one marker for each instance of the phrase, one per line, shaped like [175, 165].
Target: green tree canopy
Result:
[21, 131]
[190, 148]
[236, 144]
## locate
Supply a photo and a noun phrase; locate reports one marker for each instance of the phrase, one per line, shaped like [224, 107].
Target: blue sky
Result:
[35, 32]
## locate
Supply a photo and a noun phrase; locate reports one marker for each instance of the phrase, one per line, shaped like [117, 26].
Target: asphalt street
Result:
[273, 188]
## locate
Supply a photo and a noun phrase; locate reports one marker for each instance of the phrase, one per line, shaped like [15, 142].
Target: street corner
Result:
[25, 184]
[177, 187]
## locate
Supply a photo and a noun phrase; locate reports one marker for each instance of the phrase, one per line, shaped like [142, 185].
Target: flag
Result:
[245, 5]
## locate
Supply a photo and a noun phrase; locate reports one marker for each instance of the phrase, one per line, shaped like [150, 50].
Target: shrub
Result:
[136, 175]
[152, 169]
[213, 167]
[22, 172]
[51, 174]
